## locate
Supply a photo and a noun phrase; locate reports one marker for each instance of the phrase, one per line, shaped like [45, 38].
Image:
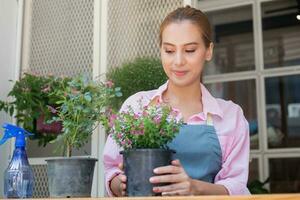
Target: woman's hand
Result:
[118, 183]
[180, 182]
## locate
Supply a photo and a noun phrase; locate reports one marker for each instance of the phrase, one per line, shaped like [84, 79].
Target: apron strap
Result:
[209, 120]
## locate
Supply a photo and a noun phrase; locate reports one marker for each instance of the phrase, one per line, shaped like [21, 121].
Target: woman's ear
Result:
[209, 52]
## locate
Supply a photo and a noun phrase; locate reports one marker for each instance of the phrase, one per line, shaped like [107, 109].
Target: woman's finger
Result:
[122, 178]
[121, 166]
[175, 193]
[176, 163]
[169, 178]
[170, 169]
[171, 187]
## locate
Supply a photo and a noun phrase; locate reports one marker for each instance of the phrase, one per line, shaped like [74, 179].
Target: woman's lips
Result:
[179, 73]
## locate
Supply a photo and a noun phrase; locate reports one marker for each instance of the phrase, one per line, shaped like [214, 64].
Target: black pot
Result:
[70, 177]
[138, 167]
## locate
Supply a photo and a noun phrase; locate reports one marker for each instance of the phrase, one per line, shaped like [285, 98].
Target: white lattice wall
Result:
[58, 37]
[133, 27]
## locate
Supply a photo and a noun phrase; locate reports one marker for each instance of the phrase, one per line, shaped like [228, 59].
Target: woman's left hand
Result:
[180, 182]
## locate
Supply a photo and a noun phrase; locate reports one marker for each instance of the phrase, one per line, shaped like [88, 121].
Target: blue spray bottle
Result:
[18, 177]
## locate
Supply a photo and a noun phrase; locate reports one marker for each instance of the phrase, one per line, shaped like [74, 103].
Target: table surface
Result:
[250, 197]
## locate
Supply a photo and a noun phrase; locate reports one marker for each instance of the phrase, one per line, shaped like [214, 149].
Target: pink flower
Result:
[109, 84]
[145, 113]
[136, 116]
[141, 126]
[157, 119]
[52, 109]
[174, 112]
[112, 119]
[46, 89]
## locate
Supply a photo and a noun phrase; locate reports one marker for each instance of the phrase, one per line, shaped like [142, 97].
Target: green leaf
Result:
[87, 96]
[118, 94]
[11, 111]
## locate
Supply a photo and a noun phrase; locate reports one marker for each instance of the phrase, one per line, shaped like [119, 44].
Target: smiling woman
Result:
[212, 147]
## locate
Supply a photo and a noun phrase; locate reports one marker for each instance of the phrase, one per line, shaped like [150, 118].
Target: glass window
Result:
[242, 93]
[284, 175]
[283, 111]
[253, 170]
[233, 40]
[281, 30]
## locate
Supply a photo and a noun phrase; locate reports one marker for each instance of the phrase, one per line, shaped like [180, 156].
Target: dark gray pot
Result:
[70, 177]
[138, 167]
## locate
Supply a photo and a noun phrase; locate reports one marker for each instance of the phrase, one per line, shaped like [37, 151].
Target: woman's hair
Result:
[192, 15]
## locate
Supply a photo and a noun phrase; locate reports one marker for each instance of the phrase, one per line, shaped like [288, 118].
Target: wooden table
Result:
[250, 197]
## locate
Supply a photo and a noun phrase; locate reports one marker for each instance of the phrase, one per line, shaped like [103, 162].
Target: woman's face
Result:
[183, 53]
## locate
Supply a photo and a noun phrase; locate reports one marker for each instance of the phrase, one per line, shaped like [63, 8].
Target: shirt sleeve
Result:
[234, 172]
[111, 160]
[111, 153]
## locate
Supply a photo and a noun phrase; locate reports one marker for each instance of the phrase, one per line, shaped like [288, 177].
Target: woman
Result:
[212, 149]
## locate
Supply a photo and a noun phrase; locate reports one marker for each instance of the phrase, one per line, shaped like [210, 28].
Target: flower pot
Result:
[138, 167]
[70, 177]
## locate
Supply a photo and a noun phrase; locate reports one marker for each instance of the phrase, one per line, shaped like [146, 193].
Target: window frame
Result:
[263, 153]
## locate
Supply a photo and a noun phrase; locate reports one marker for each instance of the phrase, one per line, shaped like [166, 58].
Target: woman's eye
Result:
[190, 50]
[169, 51]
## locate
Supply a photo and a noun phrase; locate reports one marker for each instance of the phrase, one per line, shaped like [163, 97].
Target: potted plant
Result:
[83, 104]
[30, 105]
[144, 137]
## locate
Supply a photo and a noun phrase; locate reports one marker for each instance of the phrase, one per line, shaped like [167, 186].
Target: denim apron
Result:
[198, 149]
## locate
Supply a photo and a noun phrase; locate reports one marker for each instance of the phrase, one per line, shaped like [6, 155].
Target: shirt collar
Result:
[210, 104]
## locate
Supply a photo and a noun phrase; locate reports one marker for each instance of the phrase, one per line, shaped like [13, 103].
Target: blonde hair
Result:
[195, 16]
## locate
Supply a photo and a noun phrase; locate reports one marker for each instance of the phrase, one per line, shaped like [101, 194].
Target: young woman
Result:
[212, 149]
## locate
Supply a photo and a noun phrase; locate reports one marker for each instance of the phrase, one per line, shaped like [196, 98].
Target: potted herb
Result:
[144, 137]
[83, 104]
[30, 105]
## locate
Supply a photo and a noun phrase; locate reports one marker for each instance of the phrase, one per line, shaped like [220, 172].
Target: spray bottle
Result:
[18, 177]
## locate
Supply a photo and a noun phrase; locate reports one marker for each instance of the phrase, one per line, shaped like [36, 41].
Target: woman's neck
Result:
[177, 95]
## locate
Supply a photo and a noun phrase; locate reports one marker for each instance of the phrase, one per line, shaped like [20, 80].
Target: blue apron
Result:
[198, 149]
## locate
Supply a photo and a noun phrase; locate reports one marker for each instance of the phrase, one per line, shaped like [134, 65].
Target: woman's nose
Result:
[179, 59]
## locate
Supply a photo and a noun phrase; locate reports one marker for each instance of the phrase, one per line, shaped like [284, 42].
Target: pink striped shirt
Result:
[231, 127]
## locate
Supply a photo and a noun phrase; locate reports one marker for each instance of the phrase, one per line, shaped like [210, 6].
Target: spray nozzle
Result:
[15, 131]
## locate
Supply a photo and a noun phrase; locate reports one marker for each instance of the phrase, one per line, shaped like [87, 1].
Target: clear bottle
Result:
[18, 178]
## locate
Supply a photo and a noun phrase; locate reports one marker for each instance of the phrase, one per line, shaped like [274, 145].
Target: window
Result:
[256, 64]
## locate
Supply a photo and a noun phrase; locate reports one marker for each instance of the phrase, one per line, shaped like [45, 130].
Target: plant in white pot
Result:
[83, 105]
[143, 138]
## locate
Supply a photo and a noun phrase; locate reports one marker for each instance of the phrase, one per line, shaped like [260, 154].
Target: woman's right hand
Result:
[118, 183]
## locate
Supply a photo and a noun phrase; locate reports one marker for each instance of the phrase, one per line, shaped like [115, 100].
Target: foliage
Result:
[83, 104]
[30, 102]
[257, 187]
[154, 127]
[140, 75]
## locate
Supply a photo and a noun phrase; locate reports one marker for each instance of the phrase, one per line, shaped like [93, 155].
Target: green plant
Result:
[83, 104]
[257, 187]
[154, 127]
[139, 75]
[30, 103]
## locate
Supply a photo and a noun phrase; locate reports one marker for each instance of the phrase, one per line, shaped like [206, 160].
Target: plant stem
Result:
[69, 150]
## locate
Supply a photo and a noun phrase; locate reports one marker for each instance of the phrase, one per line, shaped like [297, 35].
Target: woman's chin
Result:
[180, 82]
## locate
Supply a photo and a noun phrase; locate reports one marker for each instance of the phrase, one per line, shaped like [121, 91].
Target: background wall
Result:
[8, 35]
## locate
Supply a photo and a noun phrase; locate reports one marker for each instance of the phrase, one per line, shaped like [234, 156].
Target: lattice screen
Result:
[133, 27]
[40, 189]
[58, 37]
